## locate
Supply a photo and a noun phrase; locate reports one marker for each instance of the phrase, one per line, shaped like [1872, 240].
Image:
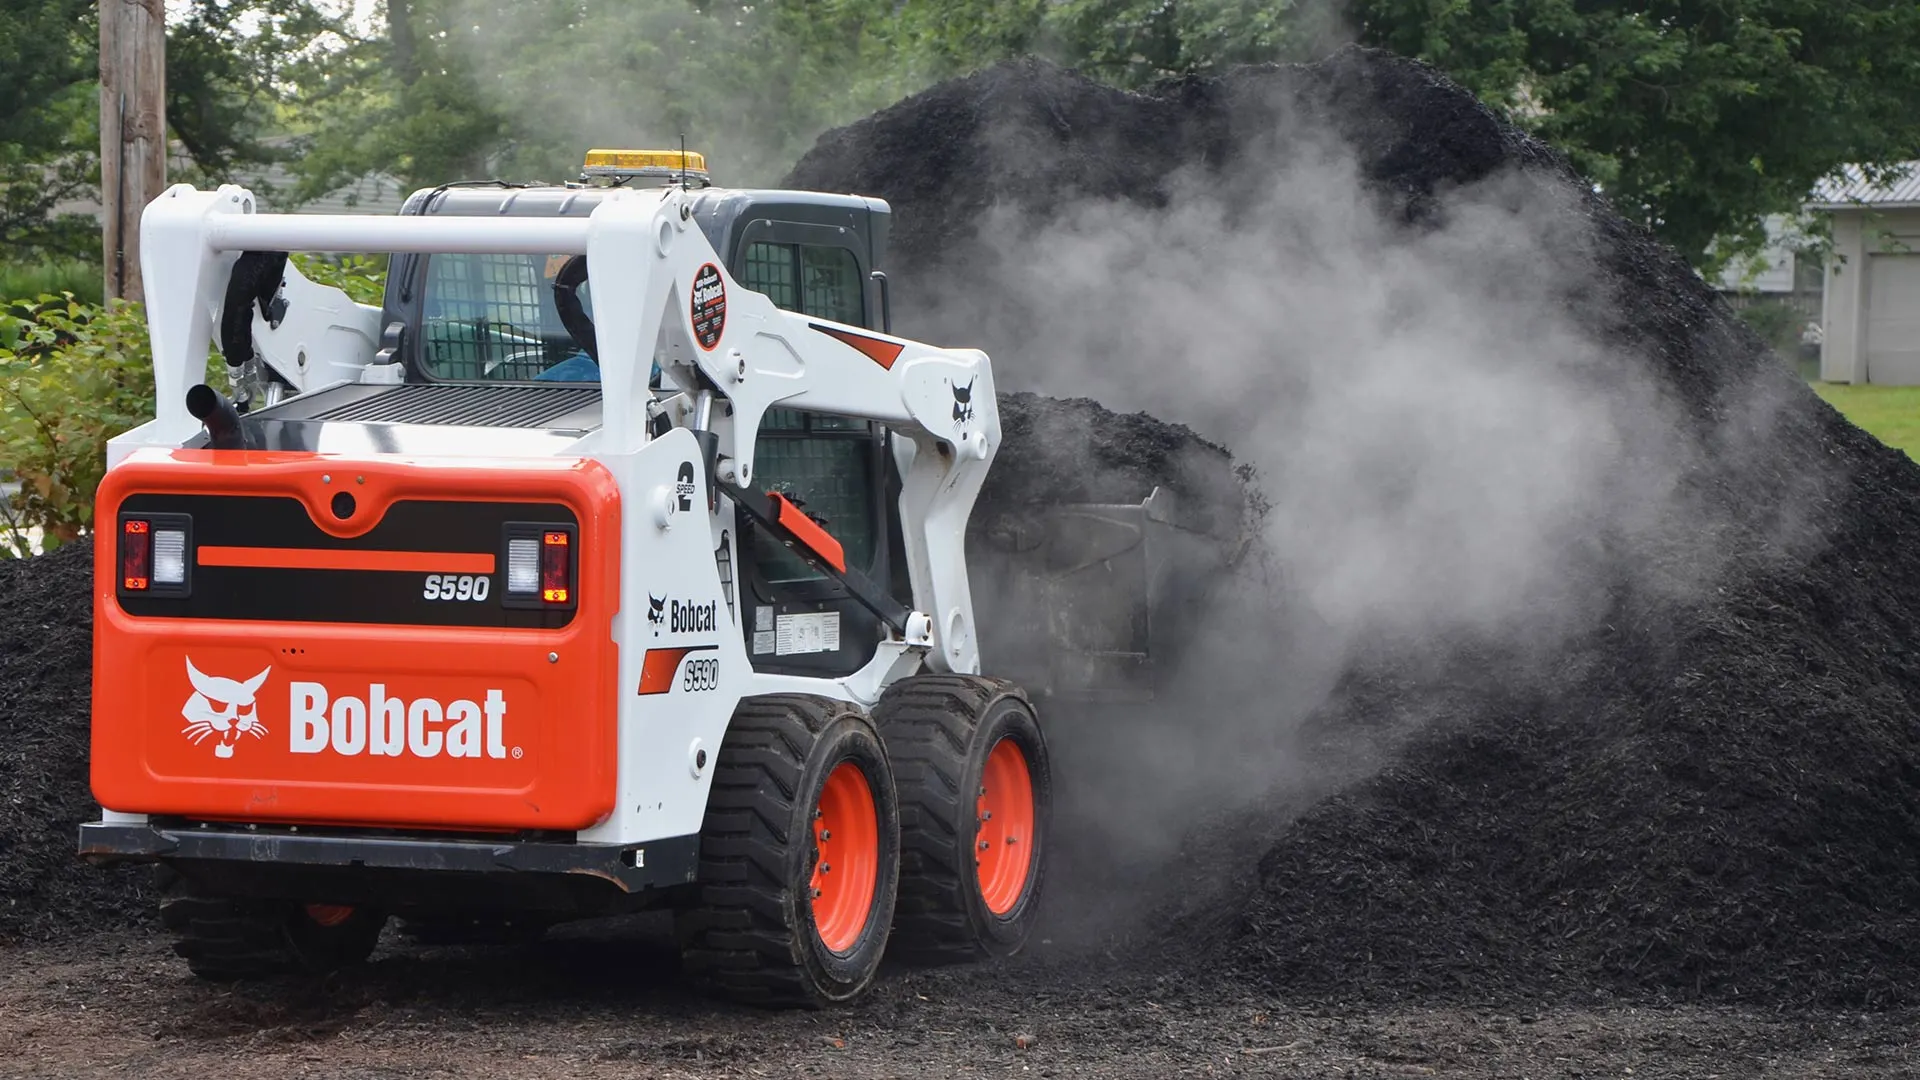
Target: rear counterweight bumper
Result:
[289, 857]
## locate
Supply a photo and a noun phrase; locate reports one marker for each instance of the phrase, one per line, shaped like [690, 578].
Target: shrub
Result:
[72, 376]
[1778, 324]
[82, 279]
[362, 277]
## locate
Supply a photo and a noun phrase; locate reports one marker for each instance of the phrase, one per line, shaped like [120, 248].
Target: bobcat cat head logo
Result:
[963, 402]
[222, 707]
[656, 613]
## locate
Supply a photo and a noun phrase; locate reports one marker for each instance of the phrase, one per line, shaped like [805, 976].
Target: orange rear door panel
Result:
[292, 720]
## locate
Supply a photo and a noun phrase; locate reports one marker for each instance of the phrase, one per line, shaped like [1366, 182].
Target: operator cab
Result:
[512, 319]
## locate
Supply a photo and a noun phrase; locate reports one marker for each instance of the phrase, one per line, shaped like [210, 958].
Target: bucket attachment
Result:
[1092, 601]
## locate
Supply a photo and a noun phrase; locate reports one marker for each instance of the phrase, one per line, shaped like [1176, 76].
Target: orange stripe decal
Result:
[880, 352]
[658, 666]
[809, 532]
[417, 562]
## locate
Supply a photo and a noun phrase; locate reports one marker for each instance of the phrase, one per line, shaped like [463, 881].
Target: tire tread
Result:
[928, 722]
[736, 941]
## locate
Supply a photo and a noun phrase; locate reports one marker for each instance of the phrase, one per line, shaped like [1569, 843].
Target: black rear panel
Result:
[277, 528]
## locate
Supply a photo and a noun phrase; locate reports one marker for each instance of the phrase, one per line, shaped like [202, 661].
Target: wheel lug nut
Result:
[824, 868]
[984, 845]
[826, 834]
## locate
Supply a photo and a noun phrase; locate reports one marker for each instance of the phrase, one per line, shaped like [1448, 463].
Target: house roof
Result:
[1851, 189]
[373, 193]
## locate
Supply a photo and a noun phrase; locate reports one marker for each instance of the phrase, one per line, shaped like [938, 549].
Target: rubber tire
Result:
[224, 938]
[939, 729]
[749, 934]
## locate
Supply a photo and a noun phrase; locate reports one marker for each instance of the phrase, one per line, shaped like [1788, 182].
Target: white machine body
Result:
[656, 280]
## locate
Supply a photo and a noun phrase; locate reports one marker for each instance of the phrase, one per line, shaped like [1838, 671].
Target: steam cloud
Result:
[1456, 456]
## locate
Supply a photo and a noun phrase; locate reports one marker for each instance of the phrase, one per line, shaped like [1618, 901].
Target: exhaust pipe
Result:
[212, 409]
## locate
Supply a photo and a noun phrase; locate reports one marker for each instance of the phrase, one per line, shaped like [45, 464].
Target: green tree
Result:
[1133, 42]
[1697, 117]
[47, 70]
[223, 63]
[1127, 42]
[446, 90]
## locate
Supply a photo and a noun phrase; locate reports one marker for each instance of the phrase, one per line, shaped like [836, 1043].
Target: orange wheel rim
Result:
[846, 870]
[329, 914]
[1003, 850]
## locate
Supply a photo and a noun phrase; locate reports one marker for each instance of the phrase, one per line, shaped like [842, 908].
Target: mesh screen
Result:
[769, 270]
[832, 277]
[492, 317]
[826, 467]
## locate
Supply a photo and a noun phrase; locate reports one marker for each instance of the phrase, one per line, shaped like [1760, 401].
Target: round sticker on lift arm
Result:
[709, 306]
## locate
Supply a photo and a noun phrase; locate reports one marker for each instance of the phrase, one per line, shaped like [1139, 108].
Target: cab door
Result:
[838, 469]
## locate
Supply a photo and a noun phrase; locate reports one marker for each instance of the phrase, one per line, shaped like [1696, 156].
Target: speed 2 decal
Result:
[709, 306]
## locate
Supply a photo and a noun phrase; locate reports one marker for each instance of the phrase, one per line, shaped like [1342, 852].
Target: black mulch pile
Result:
[46, 670]
[1069, 450]
[1714, 799]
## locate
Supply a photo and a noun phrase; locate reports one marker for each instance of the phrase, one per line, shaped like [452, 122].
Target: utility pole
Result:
[133, 132]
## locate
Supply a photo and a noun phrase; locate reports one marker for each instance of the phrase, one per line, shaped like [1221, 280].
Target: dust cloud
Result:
[1459, 459]
[723, 78]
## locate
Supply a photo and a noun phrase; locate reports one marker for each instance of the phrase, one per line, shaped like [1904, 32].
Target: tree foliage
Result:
[1698, 117]
[224, 65]
[474, 89]
[47, 108]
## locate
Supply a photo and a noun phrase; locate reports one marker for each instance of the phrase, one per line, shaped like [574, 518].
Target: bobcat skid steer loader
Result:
[493, 607]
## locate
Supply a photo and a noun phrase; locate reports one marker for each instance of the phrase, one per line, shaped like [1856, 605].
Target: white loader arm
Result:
[320, 336]
[660, 291]
[712, 335]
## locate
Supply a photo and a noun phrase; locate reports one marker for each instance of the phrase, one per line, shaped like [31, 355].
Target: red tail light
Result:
[136, 554]
[155, 555]
[556, 567]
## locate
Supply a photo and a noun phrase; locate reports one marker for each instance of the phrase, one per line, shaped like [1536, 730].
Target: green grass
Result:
[1888, 413]
[24, 281]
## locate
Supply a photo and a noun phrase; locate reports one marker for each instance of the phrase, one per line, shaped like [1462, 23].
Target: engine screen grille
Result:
[466, 406]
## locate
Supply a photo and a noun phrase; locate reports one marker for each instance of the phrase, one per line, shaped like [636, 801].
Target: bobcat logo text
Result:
[384, 725]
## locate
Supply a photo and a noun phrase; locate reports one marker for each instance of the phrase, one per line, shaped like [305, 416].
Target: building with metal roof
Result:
[1870, 311]
[1900, 187]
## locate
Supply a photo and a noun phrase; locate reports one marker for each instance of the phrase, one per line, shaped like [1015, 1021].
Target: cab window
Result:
[493, 317]
[813, 279]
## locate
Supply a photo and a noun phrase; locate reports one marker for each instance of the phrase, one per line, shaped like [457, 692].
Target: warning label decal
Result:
[709, 306]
